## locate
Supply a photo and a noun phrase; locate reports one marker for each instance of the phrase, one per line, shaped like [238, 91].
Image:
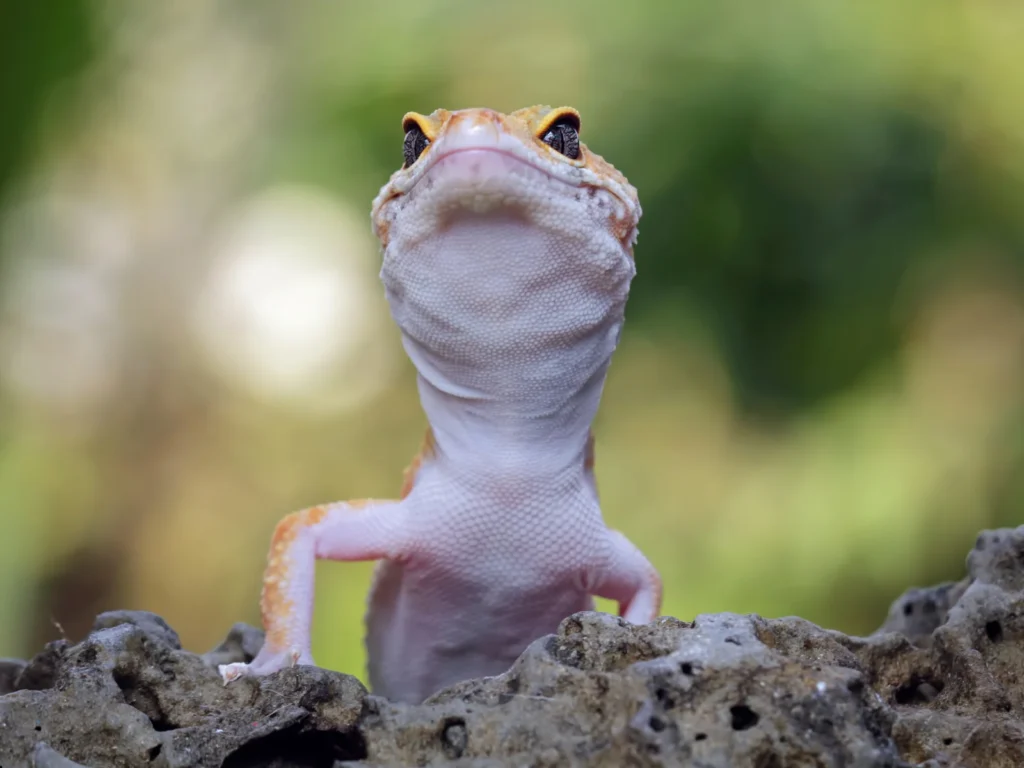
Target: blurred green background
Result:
[818, 399]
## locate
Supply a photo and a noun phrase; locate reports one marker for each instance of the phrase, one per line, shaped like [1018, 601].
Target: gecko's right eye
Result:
[563, 133]
[415, 142]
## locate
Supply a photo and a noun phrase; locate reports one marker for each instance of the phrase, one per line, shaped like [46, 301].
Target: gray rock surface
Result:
[940, 684]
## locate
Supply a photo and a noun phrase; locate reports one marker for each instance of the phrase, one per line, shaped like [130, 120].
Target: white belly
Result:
[425, 633]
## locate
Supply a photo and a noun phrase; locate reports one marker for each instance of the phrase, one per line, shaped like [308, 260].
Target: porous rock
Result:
[940, 684]
[128, 696]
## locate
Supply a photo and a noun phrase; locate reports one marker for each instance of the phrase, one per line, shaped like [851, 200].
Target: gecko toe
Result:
[231, 672]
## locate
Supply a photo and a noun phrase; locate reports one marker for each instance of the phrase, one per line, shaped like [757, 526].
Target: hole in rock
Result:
[665, 699]
[700, 737]
[994, 630]
[454, 737]
[917, 690]
[743, 717]
[657, 724]
[315, 749]
[143, 700]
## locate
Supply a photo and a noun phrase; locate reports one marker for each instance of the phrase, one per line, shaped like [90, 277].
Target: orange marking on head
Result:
[480, 118]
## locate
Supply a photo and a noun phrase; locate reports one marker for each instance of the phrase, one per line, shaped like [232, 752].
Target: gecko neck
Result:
[538, 427]
[511, 328]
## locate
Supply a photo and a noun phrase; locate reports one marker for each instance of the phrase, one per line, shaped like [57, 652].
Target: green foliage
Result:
[41, 44]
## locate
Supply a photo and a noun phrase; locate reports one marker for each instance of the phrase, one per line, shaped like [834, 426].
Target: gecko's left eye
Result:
[564, 137]
[415, 142]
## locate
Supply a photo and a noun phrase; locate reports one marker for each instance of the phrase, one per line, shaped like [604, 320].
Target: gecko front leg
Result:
[626, 576]
[349, 531]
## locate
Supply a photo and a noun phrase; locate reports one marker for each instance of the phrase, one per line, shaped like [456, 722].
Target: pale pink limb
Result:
[627, 577]
[348, 530]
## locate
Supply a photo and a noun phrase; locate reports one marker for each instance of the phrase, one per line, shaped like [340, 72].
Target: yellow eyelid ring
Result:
[567, 114]
[416, 120]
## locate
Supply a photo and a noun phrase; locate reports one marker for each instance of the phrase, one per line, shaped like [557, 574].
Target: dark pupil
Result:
[415, 143]
[563, 138]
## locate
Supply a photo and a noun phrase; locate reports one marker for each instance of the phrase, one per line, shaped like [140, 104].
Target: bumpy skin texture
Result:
[507, 266]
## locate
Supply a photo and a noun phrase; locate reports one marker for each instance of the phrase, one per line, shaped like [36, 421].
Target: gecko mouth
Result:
[490, 179]
[485, 163]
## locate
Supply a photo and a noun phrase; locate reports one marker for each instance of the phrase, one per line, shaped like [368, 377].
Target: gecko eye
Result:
[564, 137]
[415, 143]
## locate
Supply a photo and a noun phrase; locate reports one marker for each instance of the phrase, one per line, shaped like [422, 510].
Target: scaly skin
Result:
[507, 264]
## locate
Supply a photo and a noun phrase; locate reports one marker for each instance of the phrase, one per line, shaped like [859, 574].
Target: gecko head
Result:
[504, 235]
[529, 164]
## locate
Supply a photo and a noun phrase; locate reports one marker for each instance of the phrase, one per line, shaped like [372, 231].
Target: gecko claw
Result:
[231, 672]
